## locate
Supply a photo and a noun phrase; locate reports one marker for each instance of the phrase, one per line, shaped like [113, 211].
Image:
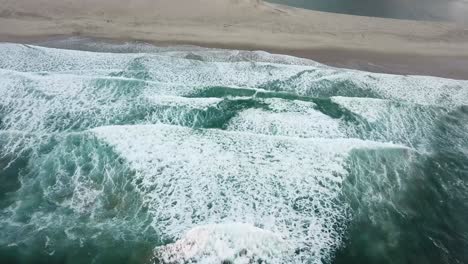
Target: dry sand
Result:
[375, 44]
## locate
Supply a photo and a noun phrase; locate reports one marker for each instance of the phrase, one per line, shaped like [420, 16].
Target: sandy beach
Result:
[373, 44]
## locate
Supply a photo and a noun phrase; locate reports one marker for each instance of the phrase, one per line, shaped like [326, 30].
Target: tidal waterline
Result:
[432, 10]
[215, 156]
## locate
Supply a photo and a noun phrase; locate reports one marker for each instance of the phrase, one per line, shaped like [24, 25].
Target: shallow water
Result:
[192, 155]
[432, 10]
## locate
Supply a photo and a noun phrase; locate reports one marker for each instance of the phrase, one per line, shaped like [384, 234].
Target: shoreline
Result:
[452, 67]
[363, 43]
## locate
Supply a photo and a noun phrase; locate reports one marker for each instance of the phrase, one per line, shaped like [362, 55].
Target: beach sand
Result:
[373, 44]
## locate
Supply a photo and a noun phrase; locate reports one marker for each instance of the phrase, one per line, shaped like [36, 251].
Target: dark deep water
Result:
[437, 10]
[181, 155]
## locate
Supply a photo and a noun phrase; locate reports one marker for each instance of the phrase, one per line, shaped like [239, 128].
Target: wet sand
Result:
[373, 44]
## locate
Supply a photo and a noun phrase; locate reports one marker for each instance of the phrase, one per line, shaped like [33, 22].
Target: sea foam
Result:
[277, 73]
[287, 186]
[211, 155]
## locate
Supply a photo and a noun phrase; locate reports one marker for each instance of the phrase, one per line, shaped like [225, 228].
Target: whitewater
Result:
[131, 153]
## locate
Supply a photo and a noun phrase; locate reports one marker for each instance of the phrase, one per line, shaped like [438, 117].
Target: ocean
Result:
[131, 153]
[432, 10]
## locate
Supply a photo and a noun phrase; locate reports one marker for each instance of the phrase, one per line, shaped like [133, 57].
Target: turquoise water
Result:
[191, 155]
[433, 10]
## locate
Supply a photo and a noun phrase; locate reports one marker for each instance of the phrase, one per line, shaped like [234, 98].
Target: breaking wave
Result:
[191, 155]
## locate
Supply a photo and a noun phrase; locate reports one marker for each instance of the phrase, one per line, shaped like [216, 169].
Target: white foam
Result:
[404, 123]
[159, 67]
[173, 68]
[174, 101]
[57, 102]
[287, 118]
[370, 108]
[30, 58]
[217, 55]
[415, 89]
[235, 242]
[288, 186]
[222, 195]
